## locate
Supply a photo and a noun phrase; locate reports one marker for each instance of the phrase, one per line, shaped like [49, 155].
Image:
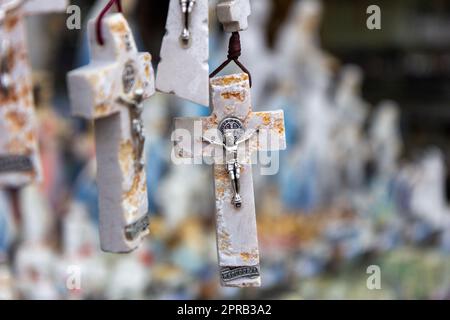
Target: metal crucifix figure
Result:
[135, 106]
[234, 134]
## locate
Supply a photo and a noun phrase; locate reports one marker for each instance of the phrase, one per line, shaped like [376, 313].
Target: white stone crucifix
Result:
[229, 136]
[183, 69]
[110, 90]
[19, 154]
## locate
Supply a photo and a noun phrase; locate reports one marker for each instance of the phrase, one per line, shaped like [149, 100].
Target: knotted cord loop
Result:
[234, 47]
[234, 52]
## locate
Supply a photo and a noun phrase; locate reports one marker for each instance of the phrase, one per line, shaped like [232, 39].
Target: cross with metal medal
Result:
[19, 154]
[229, 136]
[111, 90]
[233, 133]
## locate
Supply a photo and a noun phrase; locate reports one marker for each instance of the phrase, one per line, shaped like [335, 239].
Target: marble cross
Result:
[19, 153]
[110, 91]
[229, 137]
[184, 69]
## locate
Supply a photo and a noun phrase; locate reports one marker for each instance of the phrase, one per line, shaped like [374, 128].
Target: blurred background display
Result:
[362, 188]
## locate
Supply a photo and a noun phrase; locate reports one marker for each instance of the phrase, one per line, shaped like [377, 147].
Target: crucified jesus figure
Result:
[232, 138]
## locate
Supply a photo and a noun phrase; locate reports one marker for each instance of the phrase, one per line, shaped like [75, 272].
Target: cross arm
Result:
[91, 90]
[213, 141]
[188, 137]
[197, 138]
[116, 69]
[271, 131]
[247, 136]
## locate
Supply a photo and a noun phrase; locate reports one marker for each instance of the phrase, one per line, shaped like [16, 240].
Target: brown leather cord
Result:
[234, 52]
[101, 16]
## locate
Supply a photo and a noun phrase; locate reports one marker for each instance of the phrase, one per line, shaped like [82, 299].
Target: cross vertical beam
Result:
[19, 153]
[200, 138]
[110, 91]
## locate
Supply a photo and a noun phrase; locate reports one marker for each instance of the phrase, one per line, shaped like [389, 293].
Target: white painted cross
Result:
[19, 154]
[110, 91]
[184, 69]
[234, 124]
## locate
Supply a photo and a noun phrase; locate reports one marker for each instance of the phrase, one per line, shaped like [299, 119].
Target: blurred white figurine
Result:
[254, 41]
[300, 58]
[37, 217]
[35, 264]
[130, 276]
[178, 201]
[81, 255]
[428, 197]
[385, 139]
[349, 140]
[156, 121]
[35, 268]
[305, 66]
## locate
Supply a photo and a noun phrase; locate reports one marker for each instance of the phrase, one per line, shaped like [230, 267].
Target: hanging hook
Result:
[105, 10]
[234, 52]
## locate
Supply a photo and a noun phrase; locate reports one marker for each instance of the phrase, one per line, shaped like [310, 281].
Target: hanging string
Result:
[102, 14]
[234, 52]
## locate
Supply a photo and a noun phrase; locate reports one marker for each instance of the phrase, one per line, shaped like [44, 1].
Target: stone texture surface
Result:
[237, 239]
[18, 131]
[237, 104]
[233, 14]
[236, 228]
[185, 71]
[94, 92]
